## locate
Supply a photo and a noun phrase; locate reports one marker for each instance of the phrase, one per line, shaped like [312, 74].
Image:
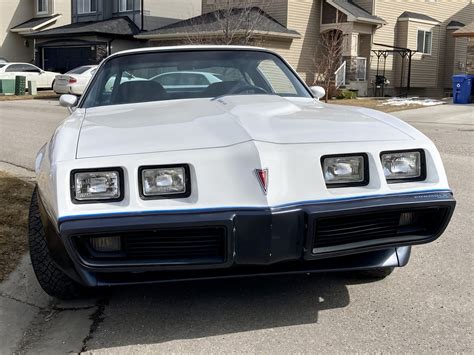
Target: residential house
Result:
[94, 28]
[19, 17]
[389, 38]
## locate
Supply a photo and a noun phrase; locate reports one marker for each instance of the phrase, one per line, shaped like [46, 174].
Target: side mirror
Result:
[68, 101]
[318, 91]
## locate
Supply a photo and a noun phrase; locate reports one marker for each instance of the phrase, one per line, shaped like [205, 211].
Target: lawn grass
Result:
[48, 94]
[15, 196]
[374, 104]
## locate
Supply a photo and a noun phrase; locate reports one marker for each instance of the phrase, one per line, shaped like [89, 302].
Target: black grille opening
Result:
[177, 245]
[334, 231]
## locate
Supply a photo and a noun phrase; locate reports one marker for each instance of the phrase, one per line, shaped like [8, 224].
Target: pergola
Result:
[379, 83]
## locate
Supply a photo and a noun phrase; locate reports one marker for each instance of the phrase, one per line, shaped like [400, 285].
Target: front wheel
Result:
[53, 281]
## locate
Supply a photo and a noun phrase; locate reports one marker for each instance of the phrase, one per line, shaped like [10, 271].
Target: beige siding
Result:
[470, 56]
[14, 12]
[64, 8]
[394, 62]
[278, 9]
[367, 5]
[304, 17]
[428, 71]
[425, 67]
[163, 12]
[449, 58]
[460, 60]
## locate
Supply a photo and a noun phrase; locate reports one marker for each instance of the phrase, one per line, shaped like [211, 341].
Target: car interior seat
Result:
[139, 91]
[221, 88]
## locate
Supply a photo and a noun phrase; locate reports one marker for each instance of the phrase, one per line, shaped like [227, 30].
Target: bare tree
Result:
[230, 22]
[329, 59]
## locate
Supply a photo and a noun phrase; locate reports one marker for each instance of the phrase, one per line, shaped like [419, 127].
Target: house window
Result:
[86, 6]
[125, 5]
[424, 41]
[41, 7]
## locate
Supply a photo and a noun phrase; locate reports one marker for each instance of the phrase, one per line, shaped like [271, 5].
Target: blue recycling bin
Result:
[462, 87]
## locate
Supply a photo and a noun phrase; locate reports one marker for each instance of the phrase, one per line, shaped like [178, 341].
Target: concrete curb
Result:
[18, 171]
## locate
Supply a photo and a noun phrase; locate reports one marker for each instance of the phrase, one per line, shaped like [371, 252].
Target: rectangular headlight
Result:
[345, 170]
[97, 185]
[164, 181]
[401, 166]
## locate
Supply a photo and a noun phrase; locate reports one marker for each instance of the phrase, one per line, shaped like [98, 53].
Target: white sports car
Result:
[44, 79]
[251, 175]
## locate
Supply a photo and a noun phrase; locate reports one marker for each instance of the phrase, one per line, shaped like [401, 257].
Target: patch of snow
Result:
[399, 101]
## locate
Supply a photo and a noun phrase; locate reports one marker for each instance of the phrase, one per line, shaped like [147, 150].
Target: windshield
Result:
[144, 77]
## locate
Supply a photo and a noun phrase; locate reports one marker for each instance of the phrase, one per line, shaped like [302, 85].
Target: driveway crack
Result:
[5, 295]
[97, 318]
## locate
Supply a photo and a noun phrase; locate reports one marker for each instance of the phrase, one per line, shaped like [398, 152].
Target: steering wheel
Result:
[256, 89]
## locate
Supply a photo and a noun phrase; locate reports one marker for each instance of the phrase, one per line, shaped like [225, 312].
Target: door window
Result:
[30, 68]
[361, 68]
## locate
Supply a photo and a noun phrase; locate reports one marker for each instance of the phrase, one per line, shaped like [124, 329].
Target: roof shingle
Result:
[466, 31]
[118, 26]
[213, 22]
[455, 24]
[355, 10]
[418, 16]
[34, 22]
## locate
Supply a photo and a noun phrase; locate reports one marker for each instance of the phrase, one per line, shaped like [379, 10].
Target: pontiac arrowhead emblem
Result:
[262, 177]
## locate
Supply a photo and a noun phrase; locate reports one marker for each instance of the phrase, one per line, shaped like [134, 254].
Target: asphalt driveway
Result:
[426, 306]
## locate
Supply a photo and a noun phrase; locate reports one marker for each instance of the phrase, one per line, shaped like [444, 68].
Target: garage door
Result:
[63, 59]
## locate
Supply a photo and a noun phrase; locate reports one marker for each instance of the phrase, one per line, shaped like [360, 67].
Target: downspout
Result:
[109, 47]
[142, 14]
[439, 53]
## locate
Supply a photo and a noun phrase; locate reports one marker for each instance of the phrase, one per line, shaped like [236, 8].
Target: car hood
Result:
[211, 123]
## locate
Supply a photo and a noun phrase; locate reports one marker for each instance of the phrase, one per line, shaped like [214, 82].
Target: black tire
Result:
[53, 281]
[378, 273]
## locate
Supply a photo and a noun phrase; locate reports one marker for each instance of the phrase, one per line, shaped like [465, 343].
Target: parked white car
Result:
[251, 175]
[74, 81]
[44, 79]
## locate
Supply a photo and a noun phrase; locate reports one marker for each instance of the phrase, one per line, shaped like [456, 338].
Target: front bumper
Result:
[327, 236]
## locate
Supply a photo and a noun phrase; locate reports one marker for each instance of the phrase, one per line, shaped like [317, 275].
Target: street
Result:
[426, 306]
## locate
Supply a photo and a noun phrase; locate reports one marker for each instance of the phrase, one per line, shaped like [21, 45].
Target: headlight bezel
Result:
[187, 182]
[399, 180]
[364, 182]
[121, 187]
